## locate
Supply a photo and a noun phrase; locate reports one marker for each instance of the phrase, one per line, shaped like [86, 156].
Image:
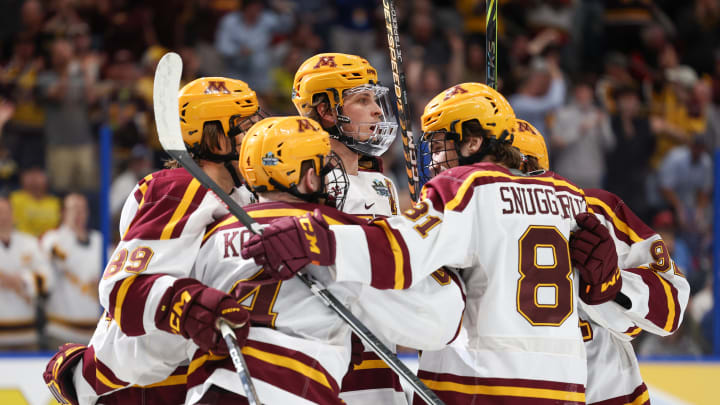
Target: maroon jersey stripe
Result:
[658, 308]
[371, 374]
[98, 375]
[640, 391]
[500, 390]
[283, 377]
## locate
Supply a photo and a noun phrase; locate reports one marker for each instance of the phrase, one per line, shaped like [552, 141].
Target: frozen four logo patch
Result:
[381, 188]
[270, 160]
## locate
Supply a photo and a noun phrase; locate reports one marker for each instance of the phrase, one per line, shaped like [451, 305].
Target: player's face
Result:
[364, 111]
[443, 153]
[5, 214]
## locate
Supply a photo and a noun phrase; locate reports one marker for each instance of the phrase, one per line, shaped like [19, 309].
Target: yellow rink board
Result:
[695, 383]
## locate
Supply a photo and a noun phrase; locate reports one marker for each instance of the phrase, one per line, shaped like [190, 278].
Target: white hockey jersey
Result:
[72, 307]
[21, 257]
[298, 349]
[162, 225]
[371, 194]
[508, 233]
[655, 292]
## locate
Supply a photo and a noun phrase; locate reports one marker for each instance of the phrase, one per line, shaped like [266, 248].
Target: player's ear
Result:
[326, 114]
[310, 182]
[471, 145]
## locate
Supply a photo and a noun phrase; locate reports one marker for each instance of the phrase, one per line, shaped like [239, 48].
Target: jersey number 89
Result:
[545, 290]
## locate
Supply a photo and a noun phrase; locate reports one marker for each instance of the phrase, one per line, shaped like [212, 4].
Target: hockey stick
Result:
[239, 362]
[409, 148]
[491, 44]
[166, 86]
[167, 119]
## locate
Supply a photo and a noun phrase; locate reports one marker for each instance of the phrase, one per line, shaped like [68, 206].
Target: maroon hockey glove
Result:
[291, 243]
[593, 253]
[192, 309]
[58, 373]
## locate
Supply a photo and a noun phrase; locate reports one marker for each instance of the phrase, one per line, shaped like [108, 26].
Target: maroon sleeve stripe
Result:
[98, 375]
[166, 205]
[620, 211]
[639, 396]
[466, 390]
[599, 210]
[663, 307]
[194, 203]
[287, 369]
[127, 302]
[381, 260]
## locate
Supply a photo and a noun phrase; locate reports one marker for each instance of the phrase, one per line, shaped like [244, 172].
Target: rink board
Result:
[670, 383]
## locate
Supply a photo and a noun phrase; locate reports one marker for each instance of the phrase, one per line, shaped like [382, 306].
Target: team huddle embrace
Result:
[516, 286]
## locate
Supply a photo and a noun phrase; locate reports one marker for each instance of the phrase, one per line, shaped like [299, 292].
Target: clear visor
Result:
[367, 119]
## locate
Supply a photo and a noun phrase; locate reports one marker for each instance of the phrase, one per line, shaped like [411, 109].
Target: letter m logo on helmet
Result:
[326, 61]
[215, 87]
[453, 91]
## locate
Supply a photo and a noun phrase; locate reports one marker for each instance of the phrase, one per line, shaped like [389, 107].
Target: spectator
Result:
[75, 254]
[675, 119]
[539, 94]
[67, 93]
[35, 210]
[685, 177]
[23, 274]
[244, 37]
[24, 132]
[580, 137]
[628, 163]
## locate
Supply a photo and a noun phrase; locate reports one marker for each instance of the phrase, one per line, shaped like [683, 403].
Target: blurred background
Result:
[625, 92]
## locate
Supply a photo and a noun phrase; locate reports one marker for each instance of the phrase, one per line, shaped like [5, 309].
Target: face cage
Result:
[436, 142]
[336, 181]
[383, 132]
[239, 124]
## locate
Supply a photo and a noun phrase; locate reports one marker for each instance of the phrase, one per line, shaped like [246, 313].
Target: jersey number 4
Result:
[545, 289]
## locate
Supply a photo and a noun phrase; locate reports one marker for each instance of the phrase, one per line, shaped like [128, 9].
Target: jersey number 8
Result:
[545, 289]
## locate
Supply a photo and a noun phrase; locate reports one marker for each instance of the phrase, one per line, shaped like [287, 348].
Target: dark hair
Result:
[500, 152]
[531, 164]
[211, 139]
[317, 99]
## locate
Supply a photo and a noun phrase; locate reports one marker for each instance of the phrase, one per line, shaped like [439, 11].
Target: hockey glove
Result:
[593, 253]
[192, 309]
[291, 243]
[58, 373]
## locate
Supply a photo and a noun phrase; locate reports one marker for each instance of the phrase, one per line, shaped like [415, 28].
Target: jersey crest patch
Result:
[381, 188]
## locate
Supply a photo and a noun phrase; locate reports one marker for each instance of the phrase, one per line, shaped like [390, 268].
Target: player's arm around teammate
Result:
[153, 308]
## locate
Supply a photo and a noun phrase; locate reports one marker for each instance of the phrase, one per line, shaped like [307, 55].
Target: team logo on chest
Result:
[381, 188]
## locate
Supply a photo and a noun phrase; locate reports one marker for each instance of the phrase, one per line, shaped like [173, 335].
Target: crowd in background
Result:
[625, 92]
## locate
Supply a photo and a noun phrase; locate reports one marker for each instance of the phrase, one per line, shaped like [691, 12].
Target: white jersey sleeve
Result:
[654, 293]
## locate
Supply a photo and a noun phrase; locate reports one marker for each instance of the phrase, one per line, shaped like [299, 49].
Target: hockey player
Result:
[162, 224]
[342, 93]
[24, 275]
[298, 349]
[653, 296]
[75, 254]
[506, 232]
